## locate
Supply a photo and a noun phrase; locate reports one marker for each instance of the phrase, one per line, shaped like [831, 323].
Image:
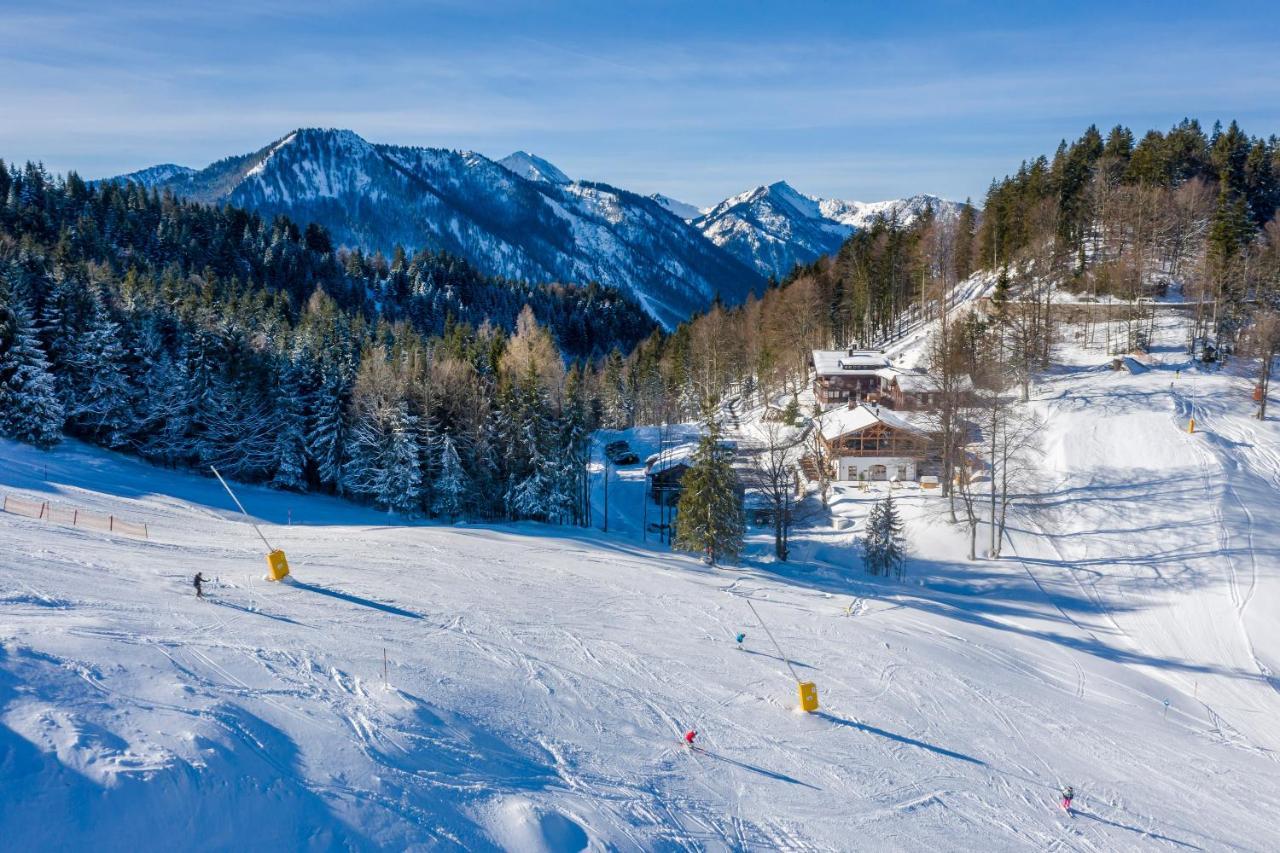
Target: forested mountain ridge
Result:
[211, 315]
[522, 220]
[196, 335]
[1105, 215]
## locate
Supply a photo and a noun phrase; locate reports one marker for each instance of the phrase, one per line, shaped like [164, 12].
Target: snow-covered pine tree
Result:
[383, 459]
[575, 439]
[883, 546]
[533, 476]
[290, 422]
[166, 412]
[709, 517]
[101, 399]
[30, 410]
[451, 481]
[872, 543]
[327, 437]
[613, 395]
[532, 469]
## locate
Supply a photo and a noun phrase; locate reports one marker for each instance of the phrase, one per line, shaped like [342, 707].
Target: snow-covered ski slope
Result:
[539, 678]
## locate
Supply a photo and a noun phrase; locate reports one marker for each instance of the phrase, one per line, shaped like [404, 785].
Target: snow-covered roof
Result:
[913, 381]
[670, 458]
[839, 361]
[840, 422]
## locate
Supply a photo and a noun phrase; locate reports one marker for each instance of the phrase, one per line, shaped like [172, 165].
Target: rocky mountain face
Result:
[772, 228]
[522, 218]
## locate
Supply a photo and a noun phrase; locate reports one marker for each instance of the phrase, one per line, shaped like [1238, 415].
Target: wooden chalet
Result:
[850, 376]
[870, 442]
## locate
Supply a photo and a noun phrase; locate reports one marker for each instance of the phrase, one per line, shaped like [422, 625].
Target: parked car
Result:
[620, 453]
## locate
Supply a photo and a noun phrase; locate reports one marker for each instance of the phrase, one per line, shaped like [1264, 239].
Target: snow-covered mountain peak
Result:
[156, 175]
[533, 168]
[775, 227]
[860, 214]
[522, 218]
[681, 209]
[801, 203]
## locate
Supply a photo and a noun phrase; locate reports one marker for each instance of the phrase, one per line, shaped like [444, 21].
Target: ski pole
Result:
[248, 517]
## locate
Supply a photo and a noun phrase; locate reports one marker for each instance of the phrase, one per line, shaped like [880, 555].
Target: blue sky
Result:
[698, 100]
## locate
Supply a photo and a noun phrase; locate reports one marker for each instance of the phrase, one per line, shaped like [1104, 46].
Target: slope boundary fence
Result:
[73, 516]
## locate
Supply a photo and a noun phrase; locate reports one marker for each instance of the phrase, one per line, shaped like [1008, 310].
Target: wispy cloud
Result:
[697, 110]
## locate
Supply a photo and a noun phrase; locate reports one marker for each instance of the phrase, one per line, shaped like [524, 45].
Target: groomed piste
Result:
[538, 680]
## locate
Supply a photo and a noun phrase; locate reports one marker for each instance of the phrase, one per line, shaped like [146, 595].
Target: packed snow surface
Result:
[538, 679]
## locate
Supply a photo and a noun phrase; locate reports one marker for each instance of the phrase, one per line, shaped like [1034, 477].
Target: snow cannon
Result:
[277, 565]
[808, 696]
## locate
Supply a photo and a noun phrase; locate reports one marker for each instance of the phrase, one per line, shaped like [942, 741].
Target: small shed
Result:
[665, 472]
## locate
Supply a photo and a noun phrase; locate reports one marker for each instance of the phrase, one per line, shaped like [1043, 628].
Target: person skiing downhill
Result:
[689, 736]
[196, 582]
[1068, 794]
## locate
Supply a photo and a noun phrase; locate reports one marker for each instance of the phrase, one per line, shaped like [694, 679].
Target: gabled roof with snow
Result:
[681, 454]
[838, 362]
[840, 422]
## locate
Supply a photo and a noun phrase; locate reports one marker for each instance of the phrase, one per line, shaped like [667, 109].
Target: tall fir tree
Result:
[709, 516]
[883, 546]
[327, 436]
[101, 404]
[30, 410]
[451, 485]
[382, 461]
[289, 418]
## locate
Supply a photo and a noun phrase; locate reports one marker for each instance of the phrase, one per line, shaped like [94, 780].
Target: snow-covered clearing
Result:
[538, 678]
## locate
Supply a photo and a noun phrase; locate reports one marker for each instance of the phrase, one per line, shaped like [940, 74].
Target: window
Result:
[902, 472]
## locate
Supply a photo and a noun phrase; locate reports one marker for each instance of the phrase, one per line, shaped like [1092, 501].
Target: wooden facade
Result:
[879, 439]
[853, 387]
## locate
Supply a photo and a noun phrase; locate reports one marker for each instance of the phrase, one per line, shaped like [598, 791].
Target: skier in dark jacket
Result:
[197, 581]
[1068, 794]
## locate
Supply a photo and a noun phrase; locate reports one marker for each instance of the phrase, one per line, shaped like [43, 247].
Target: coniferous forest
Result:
[194, 335]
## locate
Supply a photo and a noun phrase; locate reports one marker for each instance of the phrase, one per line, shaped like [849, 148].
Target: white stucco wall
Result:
[848, 467]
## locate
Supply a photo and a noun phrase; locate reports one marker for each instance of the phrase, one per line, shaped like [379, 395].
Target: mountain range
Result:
[522, 217]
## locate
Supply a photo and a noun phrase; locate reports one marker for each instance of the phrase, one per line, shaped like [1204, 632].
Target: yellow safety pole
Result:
[1191, 427]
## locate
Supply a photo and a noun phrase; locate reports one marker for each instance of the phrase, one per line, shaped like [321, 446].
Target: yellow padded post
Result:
[277, 565]
[808, 696]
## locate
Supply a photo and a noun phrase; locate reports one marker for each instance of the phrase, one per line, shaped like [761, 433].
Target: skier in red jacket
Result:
[689, 736]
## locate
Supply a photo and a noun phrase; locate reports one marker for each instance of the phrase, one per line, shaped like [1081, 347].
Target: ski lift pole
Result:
[277, 564]
[242, 509]
[781, 654]
[807, 689]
